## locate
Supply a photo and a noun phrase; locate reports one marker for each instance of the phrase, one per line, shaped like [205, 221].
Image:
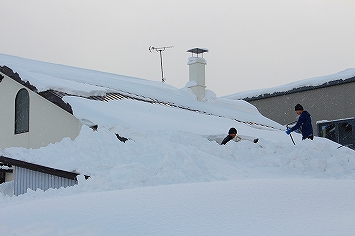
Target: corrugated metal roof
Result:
[39, 168]
[29, 179]
[126, 95]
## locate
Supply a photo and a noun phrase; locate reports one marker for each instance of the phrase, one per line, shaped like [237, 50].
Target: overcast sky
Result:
[252, 44]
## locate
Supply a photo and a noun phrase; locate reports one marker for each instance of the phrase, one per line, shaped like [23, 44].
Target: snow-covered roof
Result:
[344, 76]
[79, 83]
[168, 167]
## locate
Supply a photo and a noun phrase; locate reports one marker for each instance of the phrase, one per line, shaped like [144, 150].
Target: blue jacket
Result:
[305, 124]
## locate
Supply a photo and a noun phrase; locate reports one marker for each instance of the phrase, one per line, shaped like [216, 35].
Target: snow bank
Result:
[174, 157]
[242, 207]
[168, 178]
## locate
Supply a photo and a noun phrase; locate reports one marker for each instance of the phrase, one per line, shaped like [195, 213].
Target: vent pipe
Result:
[197, 72]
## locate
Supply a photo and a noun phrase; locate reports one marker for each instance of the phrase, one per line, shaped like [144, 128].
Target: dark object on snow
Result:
[94, 127]
[227, 139]
[122, 139]
[1, 77]
[231, 135]
[232, 131]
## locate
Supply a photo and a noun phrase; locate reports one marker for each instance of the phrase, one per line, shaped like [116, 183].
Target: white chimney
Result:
[197, 72]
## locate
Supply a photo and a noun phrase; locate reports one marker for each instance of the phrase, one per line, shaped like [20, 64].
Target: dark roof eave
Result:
[39, 168]
[302, 89]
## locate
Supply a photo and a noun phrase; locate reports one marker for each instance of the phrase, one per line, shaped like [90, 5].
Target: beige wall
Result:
[330, 103]
[48, 123]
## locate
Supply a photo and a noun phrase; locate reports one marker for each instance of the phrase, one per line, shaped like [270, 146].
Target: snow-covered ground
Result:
[169, 178]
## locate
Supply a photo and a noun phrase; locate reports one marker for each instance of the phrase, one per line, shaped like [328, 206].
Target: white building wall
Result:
[48, 123]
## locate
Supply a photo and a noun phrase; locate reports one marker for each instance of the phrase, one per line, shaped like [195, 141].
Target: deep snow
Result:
[169, 178]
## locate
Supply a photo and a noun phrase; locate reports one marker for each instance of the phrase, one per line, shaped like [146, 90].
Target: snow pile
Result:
[173, 157]
[169, 178]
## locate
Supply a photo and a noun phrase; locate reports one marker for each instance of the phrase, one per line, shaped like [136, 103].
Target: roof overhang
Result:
[39, 168]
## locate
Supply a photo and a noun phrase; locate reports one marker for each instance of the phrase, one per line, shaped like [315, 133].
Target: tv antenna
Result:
[160, 50]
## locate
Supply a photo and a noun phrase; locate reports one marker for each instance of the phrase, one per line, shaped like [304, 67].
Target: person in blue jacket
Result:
[304, 123]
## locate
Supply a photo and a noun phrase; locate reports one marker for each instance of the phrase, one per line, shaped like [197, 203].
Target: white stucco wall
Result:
[48, 123]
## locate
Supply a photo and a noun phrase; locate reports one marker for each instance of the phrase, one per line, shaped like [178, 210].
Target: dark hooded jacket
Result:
[229, 137]
[304, 123]
[226, 139]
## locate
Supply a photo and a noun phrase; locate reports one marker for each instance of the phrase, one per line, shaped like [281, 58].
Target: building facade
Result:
[328, 103]
[29, 120]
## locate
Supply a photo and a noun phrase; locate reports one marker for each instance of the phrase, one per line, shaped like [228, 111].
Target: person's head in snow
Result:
[304, 123]
[231, 134]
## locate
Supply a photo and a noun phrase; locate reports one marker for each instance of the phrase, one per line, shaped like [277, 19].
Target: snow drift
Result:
[168, 178]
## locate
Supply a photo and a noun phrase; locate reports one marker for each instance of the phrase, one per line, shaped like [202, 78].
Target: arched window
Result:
[22, 112]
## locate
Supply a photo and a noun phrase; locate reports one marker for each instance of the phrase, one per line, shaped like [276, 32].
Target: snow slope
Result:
[169, 178]
[239, 207]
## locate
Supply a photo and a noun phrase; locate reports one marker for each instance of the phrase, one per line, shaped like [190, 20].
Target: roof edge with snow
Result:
[342, 77]
[301, 89]
[49, 94]
[39, 168]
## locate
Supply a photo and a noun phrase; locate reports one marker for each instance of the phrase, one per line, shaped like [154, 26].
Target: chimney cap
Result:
[198, 50]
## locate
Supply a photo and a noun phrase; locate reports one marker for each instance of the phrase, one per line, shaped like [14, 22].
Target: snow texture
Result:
[168, 178]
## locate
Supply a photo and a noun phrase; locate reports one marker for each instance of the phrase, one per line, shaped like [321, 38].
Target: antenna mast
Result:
[160, 50]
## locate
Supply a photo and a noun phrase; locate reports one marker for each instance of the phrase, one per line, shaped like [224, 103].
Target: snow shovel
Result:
[291, 137]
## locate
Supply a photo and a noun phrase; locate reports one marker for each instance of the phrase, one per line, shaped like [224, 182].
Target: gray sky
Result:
[252, 44]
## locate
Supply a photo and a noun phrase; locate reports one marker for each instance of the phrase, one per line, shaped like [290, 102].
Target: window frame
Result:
[22, 112]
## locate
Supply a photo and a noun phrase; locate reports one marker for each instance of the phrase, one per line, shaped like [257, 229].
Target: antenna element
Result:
[161, 49]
